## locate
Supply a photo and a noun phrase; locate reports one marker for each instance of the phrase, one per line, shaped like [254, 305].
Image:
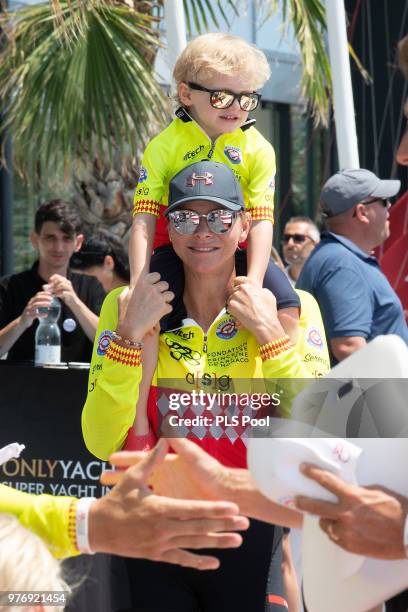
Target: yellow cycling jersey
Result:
[45, 515]
[223, 360]
[183, 142]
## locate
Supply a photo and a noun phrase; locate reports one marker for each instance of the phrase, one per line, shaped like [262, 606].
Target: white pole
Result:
[342, 90]
[175, 29]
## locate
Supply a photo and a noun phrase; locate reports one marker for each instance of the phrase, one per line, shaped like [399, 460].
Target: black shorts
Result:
[249, 579]
[169, 265]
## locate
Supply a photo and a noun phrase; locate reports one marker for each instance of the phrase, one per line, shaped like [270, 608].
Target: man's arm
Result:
[365, 520]
[194, 474]
[344, 346]
[62, 288]
[130, 520]
[13, 330]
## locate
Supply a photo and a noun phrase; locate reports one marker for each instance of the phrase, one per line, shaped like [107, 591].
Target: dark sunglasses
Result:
[297, 238]
[222, 98]
[186, 222]
[381, 201]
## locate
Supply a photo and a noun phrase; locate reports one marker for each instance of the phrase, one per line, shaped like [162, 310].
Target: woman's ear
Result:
[184, 94]
[108, 262]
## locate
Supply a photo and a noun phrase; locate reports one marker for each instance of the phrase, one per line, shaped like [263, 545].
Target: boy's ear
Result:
[34, 239]
[184, 94]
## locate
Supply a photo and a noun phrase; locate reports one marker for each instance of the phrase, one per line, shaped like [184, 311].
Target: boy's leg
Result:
[287, 300]
[170, 267]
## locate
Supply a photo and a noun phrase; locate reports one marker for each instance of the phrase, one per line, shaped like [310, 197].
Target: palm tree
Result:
[82, 98]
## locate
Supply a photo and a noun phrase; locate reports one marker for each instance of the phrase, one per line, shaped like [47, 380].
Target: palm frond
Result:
[201, 14]
[80, 85]
[309, 22]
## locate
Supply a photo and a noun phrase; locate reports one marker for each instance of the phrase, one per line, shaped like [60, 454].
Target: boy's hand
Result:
[142, 307]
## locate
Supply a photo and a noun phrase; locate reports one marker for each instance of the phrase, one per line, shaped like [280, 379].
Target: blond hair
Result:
[219, 53]
[26, 564]
[403, 56]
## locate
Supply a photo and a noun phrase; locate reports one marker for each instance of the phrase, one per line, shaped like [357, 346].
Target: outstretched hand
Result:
[134, 521]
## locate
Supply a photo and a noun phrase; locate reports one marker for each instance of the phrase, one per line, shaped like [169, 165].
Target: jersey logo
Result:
[226, 330]
[206, 178]
[142, 174]
[104, 342]
[314, 338]
[185, 353]
[192, 154]
[271, 183]
[234, 154]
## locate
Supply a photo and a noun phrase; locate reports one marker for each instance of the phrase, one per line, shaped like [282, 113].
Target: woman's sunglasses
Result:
[186, 221]
[222, 98]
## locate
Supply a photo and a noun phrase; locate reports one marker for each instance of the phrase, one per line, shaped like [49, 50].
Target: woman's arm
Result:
[116, 369]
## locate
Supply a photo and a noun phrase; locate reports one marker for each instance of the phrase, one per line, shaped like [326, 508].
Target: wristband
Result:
[126, 355]
[128, 343]
[72, 513]
[275, 348]
[82, 512]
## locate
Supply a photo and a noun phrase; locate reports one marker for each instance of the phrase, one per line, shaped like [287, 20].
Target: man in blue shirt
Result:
[355, 298]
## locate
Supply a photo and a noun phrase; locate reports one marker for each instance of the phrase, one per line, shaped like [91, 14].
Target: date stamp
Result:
[47, 598]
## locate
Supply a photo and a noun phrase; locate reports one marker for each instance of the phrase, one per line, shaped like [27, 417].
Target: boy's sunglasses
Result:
[222, 98]
[186, 221]
[297, 238]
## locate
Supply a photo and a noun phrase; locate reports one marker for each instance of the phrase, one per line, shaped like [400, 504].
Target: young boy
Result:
[216, 76]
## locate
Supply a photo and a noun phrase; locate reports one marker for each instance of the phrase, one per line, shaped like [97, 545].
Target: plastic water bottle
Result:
[47, 335]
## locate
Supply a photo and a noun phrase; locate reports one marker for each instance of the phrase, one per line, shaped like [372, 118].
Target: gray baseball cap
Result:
[349, 187]
[208, 181]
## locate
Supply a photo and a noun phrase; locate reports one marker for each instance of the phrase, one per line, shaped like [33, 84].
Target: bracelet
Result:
[129, 343]
[130, 356]
[274, 348]
[72, 514]
[81, 526]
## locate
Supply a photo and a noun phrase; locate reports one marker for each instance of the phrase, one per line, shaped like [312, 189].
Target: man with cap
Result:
[355, 298]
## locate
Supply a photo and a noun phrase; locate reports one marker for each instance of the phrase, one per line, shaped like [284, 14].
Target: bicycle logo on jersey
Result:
[181, 352]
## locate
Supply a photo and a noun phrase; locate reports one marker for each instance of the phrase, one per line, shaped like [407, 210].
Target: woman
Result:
[213, 349]
[102, 255]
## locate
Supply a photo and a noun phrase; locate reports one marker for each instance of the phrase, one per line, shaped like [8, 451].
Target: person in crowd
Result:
[368, 521]
[207, 221]
[356, 299]
[129, 520]
[300, 236]
[217, 77]
[28, 567]
[56, 236]
[102, 255]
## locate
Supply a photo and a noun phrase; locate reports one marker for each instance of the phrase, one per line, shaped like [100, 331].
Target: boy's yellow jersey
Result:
[183, 142]
[223, 360]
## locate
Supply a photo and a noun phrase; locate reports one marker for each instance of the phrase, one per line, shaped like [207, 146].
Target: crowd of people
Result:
[209, 301]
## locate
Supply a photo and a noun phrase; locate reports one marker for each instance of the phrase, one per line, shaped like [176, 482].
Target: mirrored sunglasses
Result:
[186, 221]
[222, 98]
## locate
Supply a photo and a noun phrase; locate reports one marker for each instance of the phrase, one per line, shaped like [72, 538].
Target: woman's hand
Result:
[141, 307]
[255, 308]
